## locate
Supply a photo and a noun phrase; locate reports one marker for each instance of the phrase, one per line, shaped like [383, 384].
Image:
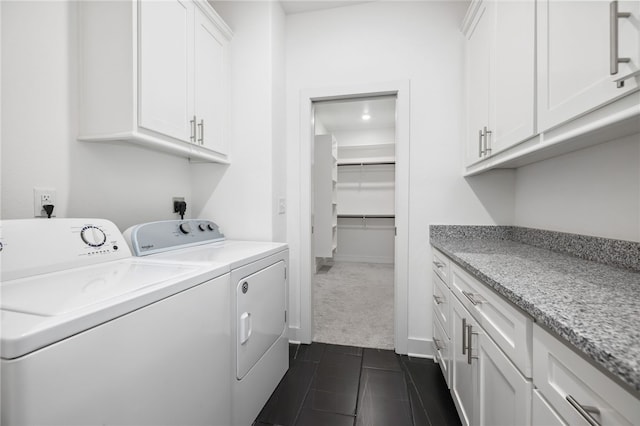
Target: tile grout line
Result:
[355, 417]
[306, 393]
[415, 388]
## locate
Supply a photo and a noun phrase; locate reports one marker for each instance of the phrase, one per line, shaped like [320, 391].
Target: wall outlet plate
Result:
[173, 204]
[42, 196]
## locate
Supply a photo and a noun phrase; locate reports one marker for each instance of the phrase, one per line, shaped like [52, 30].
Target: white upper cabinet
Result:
[160, 80]
[578, 57]
[211, 88]
[166, 79]
[478, 82]
[500, 54]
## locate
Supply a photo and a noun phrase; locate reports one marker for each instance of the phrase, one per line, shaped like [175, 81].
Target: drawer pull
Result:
[464, 333]
[470, 334]
[584, 411]
[436, 342]
[438, 264]
[473, 298]
[437, 299]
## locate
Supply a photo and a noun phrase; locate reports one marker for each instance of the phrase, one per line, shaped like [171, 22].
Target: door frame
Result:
[401, 89]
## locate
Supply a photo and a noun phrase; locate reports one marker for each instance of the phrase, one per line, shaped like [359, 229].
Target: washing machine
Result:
[94, 336]
[258, 301]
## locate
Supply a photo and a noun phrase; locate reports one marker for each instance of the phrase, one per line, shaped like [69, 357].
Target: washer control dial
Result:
[185, 228]
[93, 236]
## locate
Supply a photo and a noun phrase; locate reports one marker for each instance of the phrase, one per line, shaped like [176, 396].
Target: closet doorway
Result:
[353, 205]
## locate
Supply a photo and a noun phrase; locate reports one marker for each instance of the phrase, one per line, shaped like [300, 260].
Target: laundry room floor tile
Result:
[336, 385]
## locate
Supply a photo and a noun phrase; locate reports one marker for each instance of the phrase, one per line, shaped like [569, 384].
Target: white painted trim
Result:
[420, 348]
[364, 259]
[401, 305]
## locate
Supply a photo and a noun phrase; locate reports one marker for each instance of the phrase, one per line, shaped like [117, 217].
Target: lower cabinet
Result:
[485, 370]
[487, 388]
[576, 392]
[542, 413]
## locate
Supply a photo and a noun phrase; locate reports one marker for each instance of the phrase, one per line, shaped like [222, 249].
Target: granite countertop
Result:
[594, 307]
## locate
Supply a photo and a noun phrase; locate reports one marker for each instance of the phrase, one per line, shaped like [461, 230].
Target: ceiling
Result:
[301, 6]
[347, 114]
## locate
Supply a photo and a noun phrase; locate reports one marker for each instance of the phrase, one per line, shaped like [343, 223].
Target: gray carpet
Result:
[353, 305]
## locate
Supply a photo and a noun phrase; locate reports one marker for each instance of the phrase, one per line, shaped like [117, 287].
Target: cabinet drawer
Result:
[442, 345]
[542, 413]
[507, 326]
[575, 388]
[441, 266]
[441, 303]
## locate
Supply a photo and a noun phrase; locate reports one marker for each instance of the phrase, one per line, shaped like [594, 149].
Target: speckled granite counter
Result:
[595, 307]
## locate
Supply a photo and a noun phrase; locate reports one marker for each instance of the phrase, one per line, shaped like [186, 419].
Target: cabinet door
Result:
[210, 84]
[462, 383]
[512, 74]
[165, 67]
[477, 77]
[574, 57]
[542, 414]
[504, 395]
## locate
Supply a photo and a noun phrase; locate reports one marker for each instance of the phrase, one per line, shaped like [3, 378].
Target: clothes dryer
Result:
[258, 301]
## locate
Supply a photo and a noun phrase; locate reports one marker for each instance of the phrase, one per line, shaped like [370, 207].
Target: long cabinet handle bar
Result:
[480, 151]
[472, 298]
[614, 15]
[487, 147]
[437, 343]
[193, 129]
[464, 332]
[469, 336]
[201, 127]
[584, 411]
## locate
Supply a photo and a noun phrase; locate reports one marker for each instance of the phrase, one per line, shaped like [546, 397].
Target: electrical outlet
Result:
[42, 196]
[174, 205]
[282, 205]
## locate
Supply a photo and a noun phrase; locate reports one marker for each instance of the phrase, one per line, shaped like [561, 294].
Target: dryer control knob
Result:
[185, 228]
[93, 236]
[210, 227]
[202, 227]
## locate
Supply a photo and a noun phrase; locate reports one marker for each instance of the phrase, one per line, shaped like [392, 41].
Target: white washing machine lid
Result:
[43, 309]
[232, 252]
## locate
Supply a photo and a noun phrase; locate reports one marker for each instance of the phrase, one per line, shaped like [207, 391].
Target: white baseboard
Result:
[295, 336]
[363, 259]
[420, 348]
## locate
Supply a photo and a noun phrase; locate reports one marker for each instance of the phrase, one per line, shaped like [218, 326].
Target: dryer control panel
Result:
[158, 237]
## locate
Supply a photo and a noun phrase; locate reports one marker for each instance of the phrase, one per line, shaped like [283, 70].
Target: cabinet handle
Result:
[438, 264]
[480, 151]
[584, 411]
[614, 60]
[437, 299]
[464, 333]
[470, 333]
[436, 342]
[472, 298]
[201, 127]
[487, 147]
[192, 138]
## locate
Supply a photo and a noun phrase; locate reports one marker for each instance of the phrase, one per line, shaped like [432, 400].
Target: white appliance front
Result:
[114, 340]
[258, 300]
[260, 313]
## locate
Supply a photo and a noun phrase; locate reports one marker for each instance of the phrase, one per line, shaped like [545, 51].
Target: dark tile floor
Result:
[344, 385]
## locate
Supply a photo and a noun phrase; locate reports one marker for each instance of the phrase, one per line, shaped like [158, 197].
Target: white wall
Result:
[365, 137]
[242, 197]
[594, 191]
[125, 184]
[390, 41]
